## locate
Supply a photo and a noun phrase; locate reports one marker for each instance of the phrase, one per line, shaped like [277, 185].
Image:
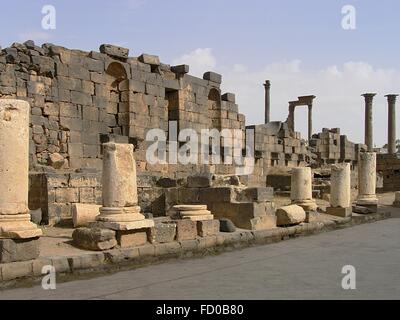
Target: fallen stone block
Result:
[94, 239]
[264, 222]
[131, 238]
[185, 229]
[83, 214]
[289, 215]
[226, 225]
[13, 250]
[207, 228]
[162, 233]
[362, 210]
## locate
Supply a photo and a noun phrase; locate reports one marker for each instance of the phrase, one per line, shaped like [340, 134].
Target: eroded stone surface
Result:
[289, 215]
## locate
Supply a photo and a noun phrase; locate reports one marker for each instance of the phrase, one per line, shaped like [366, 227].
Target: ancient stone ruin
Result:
[74, 149]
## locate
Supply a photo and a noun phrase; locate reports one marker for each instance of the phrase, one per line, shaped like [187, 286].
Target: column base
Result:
[18, 227]
[307, 205]
[127, 218]
[339, 211]
[13, 250]
[368, 201]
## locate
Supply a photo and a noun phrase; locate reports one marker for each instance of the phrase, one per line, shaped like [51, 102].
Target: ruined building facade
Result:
[80, 100]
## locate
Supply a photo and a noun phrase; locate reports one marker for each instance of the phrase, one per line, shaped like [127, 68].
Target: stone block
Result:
[84, 213]
[226, 225]
[180, 69]
[264, 222]
[199, 181]
[339, 211]
[132, 238]
[94, 239]
[228, 97]
[212, 76]
[207, 228]
[162, 233]
[114, 51]
[149, 59]
[185, 229]
[289, 215]
[12, 250]
[15, 270]
[256, 194]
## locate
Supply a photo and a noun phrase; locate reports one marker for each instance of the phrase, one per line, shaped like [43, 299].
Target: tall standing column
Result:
[368, 140]
[18, 235]
[340, 191]
[310, 125]
[267, 110]
[367, 180]
[301, 188]
[391, 98]
[120, 210]
[291, 116]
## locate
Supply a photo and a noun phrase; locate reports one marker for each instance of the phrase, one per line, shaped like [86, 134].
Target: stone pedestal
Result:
[14, 165]
[340, 191]
[193, 212]
[120, 210]
[367, 181]
[301, 189]
[396, 202]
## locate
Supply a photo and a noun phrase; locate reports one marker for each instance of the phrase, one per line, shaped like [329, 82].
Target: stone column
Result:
[391, 98]
[18, 235]
[310, 125]
[291, 116]
[368, 121]
[267, 111]
[120, 210]
[301, 188]
[367, 180]
[340, 191]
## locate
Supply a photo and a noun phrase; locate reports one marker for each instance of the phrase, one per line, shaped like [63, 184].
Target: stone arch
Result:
[116, 108]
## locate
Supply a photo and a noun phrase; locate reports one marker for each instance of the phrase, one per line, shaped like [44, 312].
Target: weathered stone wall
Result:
[388, 168]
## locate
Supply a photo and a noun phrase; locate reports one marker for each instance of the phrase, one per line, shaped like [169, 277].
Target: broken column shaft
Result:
[301, 188]
[367, 180]
[340, 191]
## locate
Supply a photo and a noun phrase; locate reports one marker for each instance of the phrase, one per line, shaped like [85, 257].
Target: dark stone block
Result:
[226, 225]
[12, 250]
[94, 239]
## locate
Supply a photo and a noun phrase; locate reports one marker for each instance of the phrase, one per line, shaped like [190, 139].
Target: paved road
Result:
[304, 268]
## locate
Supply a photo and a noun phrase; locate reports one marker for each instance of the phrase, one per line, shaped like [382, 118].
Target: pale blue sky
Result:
[258, 38]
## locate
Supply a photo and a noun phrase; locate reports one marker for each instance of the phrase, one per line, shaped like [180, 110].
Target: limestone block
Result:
[189, 207]
[84, 213]
[228, 97]
[207, 228]
[396, 202]
[12, 250]
[199, 181]
[185, 230]
[162, 233]
[289, 215]
[180, 69]
[131, 238]
[94, 239]
[199, 218]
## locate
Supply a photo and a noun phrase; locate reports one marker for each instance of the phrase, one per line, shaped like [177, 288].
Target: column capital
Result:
[267, 84]
[368, 96]
[391, 97]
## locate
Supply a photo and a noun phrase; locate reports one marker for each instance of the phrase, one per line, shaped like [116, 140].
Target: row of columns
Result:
[368, 140]
[340, 199]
